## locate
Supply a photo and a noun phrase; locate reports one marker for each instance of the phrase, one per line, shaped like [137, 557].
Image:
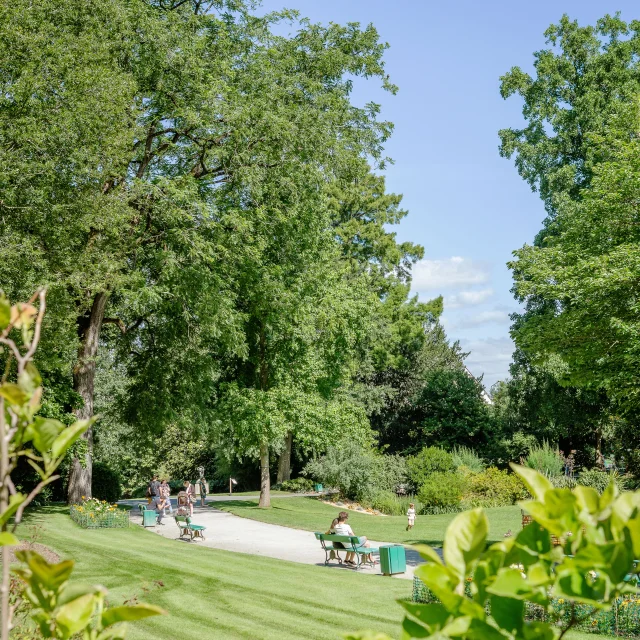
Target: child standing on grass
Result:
[411, 516]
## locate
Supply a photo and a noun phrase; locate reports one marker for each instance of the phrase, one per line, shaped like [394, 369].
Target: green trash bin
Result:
[148, 516]
[317, 488]
[393, 559]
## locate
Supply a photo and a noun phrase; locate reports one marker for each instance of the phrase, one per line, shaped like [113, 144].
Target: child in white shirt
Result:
[411, 516]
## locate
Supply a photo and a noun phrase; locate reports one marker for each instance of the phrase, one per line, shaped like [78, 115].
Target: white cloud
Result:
[496, 316]
[489, 356]
[448, 273]
[467, 298]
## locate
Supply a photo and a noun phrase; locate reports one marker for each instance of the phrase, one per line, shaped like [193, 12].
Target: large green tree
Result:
[588, 275]
[126, 165]
[576, 281]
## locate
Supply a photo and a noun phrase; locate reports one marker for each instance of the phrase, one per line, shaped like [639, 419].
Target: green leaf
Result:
[508, 613]
[428, 553]
[8, 539]
[510, 583]
[608, 495]
[129, 614]
[73, 591]
[413, 629]
[13, 394]
[14, 502]
[534, 540]
[440, 580]
[537, 630]
[537, 484]
[465, 540]
[44, 431]
[69, 436]
[5, 312]
[574, 585]
[76, 615]
[29, 380]
[433, 615]
[587, 498]
[50, 576]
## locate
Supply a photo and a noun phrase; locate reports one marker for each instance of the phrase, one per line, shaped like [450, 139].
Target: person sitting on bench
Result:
[342, 528]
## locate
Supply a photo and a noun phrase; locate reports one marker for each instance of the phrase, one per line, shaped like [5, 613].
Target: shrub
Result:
[297, 485]
[429, 461]
[358, 473]
[546, 460]
[442, 490]
[599, 480]
[392, 473]
[468, 458]
[493, 488]
[392, 505]
[105, 483]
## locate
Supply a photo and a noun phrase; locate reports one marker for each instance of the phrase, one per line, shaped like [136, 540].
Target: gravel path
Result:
[242, 535]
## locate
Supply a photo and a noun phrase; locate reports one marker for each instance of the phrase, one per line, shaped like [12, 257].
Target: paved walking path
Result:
[242, 535]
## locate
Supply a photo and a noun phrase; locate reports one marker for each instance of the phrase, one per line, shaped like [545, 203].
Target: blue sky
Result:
[467, 206]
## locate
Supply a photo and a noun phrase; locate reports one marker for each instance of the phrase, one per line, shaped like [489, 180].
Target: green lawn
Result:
[214, 594]
[313, 515]
[251, 493]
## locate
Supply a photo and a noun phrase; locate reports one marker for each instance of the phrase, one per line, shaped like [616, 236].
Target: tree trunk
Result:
[83, 379]
[599, 456]
[5, 617]
[265, 480]
[284, 463]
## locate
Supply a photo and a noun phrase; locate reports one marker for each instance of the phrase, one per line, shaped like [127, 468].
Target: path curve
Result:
[243, 535]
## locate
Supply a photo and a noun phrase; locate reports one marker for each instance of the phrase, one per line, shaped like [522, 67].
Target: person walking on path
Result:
[189, 489]
[203, 485]
[165, 493]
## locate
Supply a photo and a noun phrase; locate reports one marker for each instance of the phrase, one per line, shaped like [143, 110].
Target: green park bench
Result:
[350, 543]
[187, 528]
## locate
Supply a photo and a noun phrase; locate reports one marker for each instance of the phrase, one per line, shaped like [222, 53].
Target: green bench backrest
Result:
[332, 537]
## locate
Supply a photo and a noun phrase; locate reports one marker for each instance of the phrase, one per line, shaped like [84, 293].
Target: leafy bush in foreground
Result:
[487, 593]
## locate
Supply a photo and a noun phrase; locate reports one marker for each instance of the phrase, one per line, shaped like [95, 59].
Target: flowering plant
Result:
[95, 506]
[93, 513]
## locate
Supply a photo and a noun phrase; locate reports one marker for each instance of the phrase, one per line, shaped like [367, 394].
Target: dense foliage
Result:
[483, 592]
[577, 337]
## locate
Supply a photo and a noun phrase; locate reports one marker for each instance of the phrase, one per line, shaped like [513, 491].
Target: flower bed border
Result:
[116, 519]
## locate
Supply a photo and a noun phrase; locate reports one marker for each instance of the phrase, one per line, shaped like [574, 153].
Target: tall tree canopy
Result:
[133, 167]
[578, 280]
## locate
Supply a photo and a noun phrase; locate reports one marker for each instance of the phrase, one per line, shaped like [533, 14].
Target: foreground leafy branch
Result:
[593, 565]
[60, 609]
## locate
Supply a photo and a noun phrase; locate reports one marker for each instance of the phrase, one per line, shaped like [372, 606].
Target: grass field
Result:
[213, 594]
[313, 515]
[219, 595]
